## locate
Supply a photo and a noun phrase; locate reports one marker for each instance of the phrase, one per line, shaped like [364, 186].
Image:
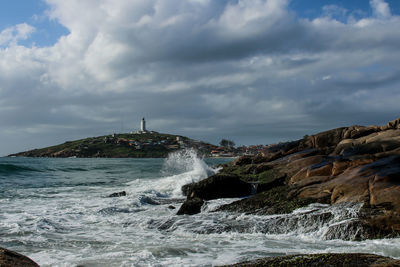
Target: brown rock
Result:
[328, 138]
[10, 258]
[384, 187]
[296, 165]
[395, 124]
[351, 164]
[323, 260]
[300, 176]
[350, 186]
[325, 170]
[341, 165]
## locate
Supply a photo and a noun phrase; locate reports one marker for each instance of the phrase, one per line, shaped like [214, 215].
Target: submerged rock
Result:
[118, 194]
[148, 200]
[191, 206]
[323, 260]
[10, 258]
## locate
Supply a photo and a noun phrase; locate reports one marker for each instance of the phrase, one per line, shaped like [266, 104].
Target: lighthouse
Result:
[143, 125]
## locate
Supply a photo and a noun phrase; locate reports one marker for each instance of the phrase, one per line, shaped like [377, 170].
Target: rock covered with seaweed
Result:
[355, 164]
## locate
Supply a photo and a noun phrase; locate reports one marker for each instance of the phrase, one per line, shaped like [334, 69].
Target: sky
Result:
[253, 71]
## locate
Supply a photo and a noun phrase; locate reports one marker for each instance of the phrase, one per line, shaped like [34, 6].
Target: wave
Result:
[190, 167]
[179, 168]
[184, 161]
[316, 222]
[6, 168]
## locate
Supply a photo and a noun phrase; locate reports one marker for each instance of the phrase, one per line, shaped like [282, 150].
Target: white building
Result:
[143, 128]
[143, 125]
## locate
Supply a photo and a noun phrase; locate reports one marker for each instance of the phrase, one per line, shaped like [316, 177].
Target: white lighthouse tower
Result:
[143, 125]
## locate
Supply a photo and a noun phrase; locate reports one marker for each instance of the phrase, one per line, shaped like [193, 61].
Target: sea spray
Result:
[184, 167]
[186, 160]
[66, 219]
[179, 168]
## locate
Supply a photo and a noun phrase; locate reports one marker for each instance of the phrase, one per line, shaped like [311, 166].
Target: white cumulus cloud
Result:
[380, 8]
[11, 35]
[250, 70]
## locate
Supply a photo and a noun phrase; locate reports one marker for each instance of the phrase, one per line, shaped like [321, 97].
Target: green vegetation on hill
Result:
[135, 145]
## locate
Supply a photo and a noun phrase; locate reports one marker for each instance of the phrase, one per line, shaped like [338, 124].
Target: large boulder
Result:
[10, 258]
[218, 186]
[323, 140]
[376, 142]
[191, 206]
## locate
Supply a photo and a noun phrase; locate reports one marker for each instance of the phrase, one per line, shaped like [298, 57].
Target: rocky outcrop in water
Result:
[323, 260]
[354, 164]
[191, 206]
[118, 194]
[218, 186]
[10, 258]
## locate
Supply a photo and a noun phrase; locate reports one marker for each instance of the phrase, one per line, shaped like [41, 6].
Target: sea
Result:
[58, 212]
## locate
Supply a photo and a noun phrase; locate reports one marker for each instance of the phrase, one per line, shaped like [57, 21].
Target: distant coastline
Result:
[128, 145]
[140, 144]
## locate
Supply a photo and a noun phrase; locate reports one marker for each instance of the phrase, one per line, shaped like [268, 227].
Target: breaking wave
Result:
[179, 168]
[141, 228]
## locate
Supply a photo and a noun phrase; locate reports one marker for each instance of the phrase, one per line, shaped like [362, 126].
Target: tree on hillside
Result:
[227, 143]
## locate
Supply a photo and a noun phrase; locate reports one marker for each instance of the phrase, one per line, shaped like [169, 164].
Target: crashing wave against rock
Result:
[355, 164]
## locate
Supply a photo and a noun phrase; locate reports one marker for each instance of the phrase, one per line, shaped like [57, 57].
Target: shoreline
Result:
[355, 164]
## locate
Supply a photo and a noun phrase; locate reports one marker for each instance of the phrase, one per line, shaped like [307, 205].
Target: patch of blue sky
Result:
[32, 12]
[338, 9]
[47, 31]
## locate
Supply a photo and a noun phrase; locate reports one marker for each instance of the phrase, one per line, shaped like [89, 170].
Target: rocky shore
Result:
[344, 167]
[10, 258]
[355, 164]
[322, 260]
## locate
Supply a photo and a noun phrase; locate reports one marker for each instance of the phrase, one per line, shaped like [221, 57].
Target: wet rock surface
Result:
[10, 258]
[326, 259]
[218, 186]
[118, 194]
[191, 206]
[355, 164]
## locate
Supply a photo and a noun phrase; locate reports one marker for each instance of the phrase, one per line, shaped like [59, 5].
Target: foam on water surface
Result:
[179, 168]
[64, 218]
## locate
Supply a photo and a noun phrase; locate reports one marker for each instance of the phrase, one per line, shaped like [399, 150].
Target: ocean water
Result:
[56, 211]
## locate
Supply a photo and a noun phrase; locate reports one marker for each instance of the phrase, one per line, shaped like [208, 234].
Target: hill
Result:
[135, 145]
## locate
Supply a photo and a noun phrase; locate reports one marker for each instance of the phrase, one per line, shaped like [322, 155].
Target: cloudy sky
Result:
[254, 71]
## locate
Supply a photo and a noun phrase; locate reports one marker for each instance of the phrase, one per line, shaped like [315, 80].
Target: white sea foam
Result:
[71, 226]
[179, 168]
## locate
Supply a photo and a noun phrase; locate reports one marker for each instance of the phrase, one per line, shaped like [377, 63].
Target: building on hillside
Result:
[143, 125]
[143, 129]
